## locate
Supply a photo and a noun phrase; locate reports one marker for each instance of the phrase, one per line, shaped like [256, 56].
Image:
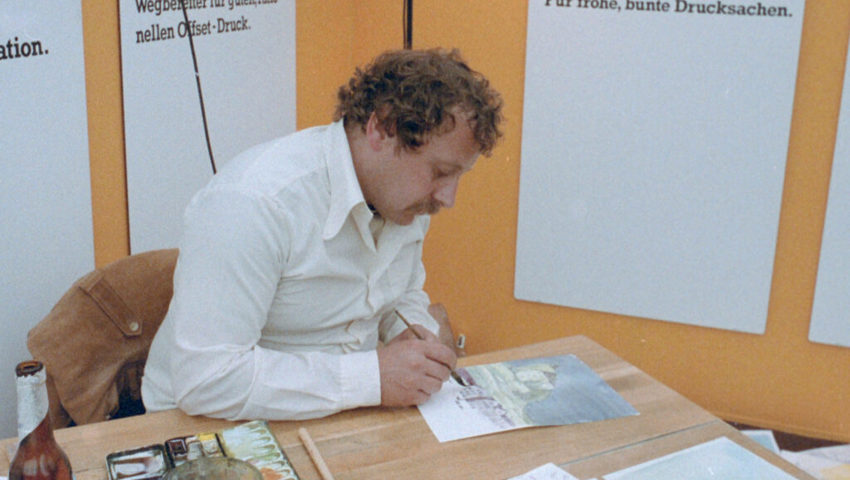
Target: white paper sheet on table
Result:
[718, 458]
[818, 466]
[544, 391]
[549, 471]
[764, 438]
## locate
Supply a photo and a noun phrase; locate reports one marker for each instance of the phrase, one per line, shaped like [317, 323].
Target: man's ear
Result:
[376, 134]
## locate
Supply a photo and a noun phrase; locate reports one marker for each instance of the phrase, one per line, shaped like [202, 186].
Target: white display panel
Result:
[245, 51]
[831, 310]
[653, 157]
[45, 186]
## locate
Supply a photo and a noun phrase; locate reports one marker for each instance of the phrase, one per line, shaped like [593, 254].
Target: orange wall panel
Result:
[334, 39]
[106, 131]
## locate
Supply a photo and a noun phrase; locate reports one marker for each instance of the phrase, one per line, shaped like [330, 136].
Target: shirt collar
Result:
[346, 195]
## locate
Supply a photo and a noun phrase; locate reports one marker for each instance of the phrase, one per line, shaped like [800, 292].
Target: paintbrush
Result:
[457, 378]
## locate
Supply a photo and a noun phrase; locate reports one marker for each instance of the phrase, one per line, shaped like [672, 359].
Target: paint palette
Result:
[254, 442]
[144, 463]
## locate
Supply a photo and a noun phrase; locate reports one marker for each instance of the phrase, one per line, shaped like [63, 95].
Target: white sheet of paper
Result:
[831, 307]
[47, 240]
[718, 458]
[839, 453]
[453, 420]
[549, 471]
[245, 54]
[556, 390]
[763, 437]
[815, 465]
[653, 159]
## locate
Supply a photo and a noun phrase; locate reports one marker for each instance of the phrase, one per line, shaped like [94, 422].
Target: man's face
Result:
[421, 182]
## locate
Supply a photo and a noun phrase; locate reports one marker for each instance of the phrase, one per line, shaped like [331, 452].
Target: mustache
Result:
[432, 207]
[427, 207]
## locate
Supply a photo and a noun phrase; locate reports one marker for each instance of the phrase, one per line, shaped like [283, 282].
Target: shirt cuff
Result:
[360, 378]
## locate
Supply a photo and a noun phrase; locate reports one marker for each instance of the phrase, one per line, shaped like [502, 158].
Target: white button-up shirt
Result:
[281, 291]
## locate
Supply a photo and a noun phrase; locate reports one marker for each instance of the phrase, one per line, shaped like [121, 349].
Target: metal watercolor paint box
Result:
[144, 463]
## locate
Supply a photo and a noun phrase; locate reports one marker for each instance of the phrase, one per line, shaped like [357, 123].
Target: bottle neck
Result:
[32, 403]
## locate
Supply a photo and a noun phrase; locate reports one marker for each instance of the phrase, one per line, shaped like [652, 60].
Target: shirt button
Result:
[134, 326]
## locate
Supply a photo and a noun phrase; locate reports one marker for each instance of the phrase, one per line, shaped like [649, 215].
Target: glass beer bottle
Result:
[39, 457]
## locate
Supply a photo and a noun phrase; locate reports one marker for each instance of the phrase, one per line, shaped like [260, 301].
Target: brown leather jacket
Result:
[95, 340]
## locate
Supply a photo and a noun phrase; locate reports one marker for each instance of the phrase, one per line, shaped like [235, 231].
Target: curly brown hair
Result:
[415, 94]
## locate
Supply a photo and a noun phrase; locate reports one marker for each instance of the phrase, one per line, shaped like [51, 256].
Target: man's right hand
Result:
[413, 369]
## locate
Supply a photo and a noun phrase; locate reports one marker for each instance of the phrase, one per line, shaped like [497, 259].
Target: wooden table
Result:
[381, 443]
